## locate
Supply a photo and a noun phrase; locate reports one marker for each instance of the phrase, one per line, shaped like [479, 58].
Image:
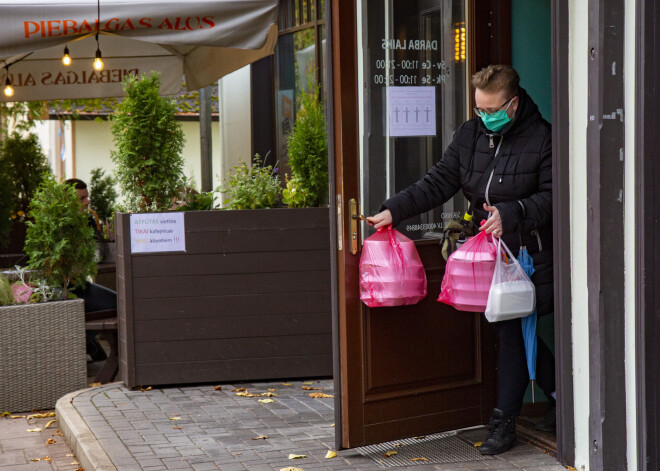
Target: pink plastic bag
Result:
[391, 272]
[469, 274]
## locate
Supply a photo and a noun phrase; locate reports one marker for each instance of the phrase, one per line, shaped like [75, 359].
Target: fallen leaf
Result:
[286, 384]
[74, 463]
[175, 418]
[387, 454]
[35, 459]
[148, 388]
[177, 427]
[418, 459]
[309, 382]
[80, 469]
[238, 453]
[5, 413]
[309, 388]
[271, 390]
[291, 468]
[95, 385]
[296, 457]
[50, 422]
[238, 390]
[420, 437]
[50, 441]
[16, 416]
[70, 455]
[266, 401]
[34, 430]
[269, 394]
[217, 388]
[260, 437]
[332, 425]
[319, 395]
[41, 415]
[59, 432]
[47, 458]
[330, 454]
[478, 444]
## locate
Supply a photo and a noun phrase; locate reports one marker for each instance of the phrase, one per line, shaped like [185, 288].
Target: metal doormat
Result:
[438, 448]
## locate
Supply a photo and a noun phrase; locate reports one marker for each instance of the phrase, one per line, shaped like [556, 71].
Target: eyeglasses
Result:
[479, 112]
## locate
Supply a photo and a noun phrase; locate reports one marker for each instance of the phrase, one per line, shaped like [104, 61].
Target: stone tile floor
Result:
[199, 428]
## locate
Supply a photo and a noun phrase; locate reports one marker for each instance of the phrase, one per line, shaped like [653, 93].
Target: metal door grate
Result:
[438, 448]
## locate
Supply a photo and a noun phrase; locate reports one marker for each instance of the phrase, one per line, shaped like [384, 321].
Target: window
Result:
[300, 49]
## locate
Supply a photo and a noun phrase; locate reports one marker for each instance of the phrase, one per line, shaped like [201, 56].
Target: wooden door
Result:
[400, 371]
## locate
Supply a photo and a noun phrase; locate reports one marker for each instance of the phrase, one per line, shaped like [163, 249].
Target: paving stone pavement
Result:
[200, 428]
[20, 449]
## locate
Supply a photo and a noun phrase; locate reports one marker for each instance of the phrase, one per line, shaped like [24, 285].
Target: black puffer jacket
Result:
[521, 186]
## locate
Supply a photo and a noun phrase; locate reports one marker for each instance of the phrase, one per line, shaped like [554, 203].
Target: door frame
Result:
[559, 30]
[647, 262]
[343, 135]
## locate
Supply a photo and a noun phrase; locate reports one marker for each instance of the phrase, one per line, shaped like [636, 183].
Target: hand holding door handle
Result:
[381, 219]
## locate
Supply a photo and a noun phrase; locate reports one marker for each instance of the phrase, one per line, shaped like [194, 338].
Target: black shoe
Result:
[502, 434]
[549, 421]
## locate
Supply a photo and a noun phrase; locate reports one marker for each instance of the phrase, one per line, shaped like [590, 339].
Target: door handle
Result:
[354, 211]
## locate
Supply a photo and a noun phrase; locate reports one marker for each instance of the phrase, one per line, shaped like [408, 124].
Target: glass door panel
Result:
[415, 96]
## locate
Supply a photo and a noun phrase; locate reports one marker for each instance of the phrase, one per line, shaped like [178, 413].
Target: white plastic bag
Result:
[512, 293]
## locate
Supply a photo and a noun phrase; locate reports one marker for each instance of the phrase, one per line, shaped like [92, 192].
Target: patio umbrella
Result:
[529, 322]
[202, 40]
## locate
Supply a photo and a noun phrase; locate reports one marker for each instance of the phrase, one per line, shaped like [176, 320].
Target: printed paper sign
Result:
[411, 111]
[158, 232]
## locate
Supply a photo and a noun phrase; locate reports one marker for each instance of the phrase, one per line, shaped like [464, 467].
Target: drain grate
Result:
[438, 448]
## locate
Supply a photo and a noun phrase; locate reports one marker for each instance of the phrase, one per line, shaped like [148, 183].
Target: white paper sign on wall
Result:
[158, 232]
[411, 111]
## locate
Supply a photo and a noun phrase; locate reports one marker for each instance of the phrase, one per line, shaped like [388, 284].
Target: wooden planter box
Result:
[248, 300]
[42, 354]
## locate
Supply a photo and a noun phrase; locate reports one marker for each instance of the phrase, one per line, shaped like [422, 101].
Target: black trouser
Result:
[97, 298]
[513, 376]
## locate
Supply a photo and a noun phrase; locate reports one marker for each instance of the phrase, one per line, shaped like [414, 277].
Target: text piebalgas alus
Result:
[56, 28]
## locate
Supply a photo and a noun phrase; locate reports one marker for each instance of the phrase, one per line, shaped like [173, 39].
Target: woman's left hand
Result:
[494, 223]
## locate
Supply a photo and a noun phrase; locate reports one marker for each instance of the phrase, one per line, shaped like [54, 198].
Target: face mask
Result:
[495, 122]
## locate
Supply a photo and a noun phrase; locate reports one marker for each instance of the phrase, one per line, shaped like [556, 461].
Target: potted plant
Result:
[246, 296]
[308, 154]
[61, 248]
[23, 166]
[103, 200]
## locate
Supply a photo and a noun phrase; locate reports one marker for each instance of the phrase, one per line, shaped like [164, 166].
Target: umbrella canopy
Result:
[201, 39]
[529, 322]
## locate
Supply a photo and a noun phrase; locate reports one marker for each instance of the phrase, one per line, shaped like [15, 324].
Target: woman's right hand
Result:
[381, 219]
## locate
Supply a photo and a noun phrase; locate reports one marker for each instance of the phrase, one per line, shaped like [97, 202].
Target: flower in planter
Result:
[253, 187]
[22, 292]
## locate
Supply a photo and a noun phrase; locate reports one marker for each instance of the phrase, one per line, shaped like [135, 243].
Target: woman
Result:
[516, 202]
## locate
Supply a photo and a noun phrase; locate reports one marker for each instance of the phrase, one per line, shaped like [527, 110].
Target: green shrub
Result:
[102, 194]
[308, 149]
[6, 296]
[59, 243]
[253, 187]
[296, 194]
[148, 143]
[6, 204]
[25, 165]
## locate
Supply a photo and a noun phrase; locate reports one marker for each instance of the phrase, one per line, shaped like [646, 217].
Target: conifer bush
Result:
[148, 143]
[59, 242]
[308, 153]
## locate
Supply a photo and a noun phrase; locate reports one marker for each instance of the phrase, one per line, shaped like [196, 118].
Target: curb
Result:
[80, 438]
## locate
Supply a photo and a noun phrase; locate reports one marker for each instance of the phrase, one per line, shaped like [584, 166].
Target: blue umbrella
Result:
[529, 322]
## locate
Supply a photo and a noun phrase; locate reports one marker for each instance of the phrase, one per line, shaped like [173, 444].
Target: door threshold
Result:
[526, 430]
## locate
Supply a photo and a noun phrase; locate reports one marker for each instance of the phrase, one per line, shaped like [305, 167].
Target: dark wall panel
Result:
[248, 300]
